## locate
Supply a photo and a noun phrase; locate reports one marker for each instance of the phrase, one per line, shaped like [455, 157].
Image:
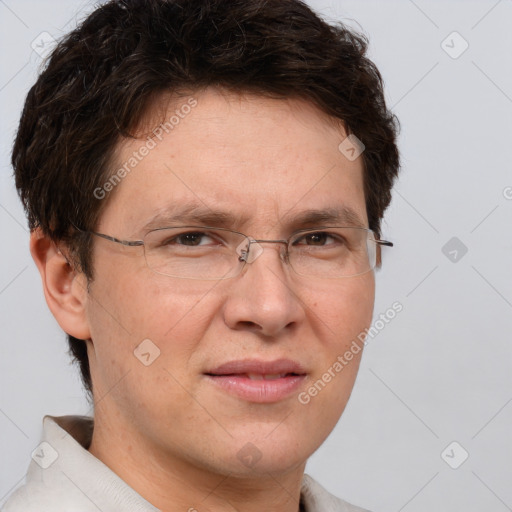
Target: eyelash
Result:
[204, 234]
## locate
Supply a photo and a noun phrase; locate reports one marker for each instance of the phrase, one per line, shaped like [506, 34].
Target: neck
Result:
[172, 483]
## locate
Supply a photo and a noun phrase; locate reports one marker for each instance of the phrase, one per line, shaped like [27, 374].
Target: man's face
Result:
[264, 162]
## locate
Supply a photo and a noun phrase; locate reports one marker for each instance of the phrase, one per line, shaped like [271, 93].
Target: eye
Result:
[189, 239]
[319, 238]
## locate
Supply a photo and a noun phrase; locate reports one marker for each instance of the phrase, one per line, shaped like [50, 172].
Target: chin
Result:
[275, 452]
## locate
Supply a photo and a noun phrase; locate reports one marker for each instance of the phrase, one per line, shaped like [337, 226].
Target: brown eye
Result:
[316, 239]
[320, 238]
[191, 239]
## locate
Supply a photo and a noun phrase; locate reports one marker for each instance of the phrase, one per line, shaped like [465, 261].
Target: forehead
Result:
[250, 157]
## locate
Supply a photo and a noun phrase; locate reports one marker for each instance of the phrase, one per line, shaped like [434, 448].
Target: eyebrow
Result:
[199, 214]
[341, 216]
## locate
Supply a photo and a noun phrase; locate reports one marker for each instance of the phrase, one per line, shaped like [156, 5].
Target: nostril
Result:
[249, 325]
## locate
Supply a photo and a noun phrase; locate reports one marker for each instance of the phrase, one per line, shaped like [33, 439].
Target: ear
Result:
[65, 289]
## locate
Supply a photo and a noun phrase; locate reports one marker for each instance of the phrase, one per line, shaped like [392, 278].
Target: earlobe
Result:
[65, 289]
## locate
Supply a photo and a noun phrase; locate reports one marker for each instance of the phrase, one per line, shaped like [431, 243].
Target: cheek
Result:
[144, 304]
[340, 313]
[175, 312]
[127, 313]
[341, 317]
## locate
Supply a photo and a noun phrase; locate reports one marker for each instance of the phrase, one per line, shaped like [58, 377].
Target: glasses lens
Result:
[333, 252]
[193, 252]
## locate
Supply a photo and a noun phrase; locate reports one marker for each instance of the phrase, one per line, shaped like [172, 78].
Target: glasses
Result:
[208, 253]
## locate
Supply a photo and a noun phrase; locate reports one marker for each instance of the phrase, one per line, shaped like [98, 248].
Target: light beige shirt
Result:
[64, 477]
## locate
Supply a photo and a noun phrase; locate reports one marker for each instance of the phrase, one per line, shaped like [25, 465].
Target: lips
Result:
[253, 367]
[258, 381]
[270, 376]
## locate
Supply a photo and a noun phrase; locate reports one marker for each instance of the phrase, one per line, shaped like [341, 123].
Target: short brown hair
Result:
[102, 77]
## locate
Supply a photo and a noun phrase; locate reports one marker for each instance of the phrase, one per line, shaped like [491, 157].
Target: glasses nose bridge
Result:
[268, 241]
[249, 257]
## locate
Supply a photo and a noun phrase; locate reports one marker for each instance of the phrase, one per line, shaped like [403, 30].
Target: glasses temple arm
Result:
[384, 242]
[130, 243]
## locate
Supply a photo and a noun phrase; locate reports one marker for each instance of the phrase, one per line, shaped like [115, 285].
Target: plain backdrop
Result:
[435, 384]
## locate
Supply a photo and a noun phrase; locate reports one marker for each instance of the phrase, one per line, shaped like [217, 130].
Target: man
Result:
[204, 183]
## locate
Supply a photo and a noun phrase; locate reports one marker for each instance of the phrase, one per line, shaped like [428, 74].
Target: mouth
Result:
[257, 376]
[258, 381]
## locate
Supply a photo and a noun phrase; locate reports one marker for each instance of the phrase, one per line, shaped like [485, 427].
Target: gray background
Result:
[440, 371]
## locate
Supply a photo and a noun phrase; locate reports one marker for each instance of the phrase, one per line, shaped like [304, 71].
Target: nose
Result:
[263, 298]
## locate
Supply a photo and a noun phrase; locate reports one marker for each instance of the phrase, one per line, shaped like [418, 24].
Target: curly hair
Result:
[102, 77]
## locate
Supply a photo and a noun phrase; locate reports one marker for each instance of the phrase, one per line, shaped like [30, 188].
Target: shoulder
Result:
[47, 496]
[317, 499]
[63, 476]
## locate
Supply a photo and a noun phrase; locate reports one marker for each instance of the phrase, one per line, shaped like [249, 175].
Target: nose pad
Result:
[249, 251]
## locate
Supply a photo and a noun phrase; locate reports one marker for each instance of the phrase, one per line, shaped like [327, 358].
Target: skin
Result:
[164, 428]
